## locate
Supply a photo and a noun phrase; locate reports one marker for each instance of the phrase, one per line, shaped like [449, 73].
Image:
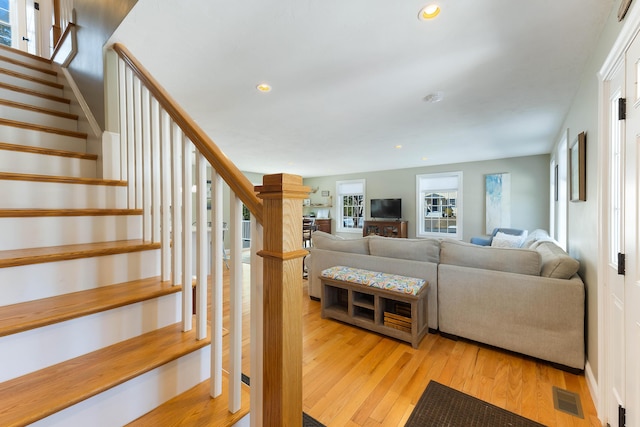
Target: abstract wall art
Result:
[497, 201]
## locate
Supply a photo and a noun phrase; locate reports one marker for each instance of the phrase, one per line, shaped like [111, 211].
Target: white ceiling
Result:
[349, 77]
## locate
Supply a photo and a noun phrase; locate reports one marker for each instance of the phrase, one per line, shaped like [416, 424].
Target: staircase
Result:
[89, 334]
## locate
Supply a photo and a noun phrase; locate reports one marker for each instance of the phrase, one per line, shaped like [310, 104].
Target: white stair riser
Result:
[41, 164]
[31, 282]
[37, 118]
[76, 337]
[31, 85]
[36, 138]
[54, 195]
[33, 232]
[29, 99]
[28, 71]
[22, 58]
[128, 401]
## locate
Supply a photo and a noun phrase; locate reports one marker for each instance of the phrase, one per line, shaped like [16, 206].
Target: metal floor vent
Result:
[567, 401]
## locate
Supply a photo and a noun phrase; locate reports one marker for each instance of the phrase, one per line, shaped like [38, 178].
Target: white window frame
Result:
[434, 183]
[347, 188]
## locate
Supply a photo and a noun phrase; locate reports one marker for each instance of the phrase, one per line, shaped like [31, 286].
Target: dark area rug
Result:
[309, 421]
[442, 406]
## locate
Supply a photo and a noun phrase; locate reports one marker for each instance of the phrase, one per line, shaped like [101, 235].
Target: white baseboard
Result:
[594, 389]
[93, 123]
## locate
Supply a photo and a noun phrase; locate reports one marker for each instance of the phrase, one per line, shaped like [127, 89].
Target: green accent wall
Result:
[529, 191]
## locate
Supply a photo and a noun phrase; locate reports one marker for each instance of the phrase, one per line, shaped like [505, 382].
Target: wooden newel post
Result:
[282, 328]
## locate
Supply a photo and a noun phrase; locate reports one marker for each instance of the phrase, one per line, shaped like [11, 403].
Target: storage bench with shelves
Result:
[368, 299]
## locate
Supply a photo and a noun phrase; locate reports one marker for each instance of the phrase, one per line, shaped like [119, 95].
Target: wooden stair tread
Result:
[30, 78]
[42, 393]
[16, 257]
[38, 109]
[35, 93]
[196, 407]
[47, 151]
[24, 316]
[25, 54]
[29, 66]
[60, 179]
[30, 213]
[40, 128]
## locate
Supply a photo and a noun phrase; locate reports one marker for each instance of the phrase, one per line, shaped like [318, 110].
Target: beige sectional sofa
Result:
[528, 300]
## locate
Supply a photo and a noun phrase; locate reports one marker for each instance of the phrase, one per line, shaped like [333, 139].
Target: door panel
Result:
[614, 340]
[632, 277]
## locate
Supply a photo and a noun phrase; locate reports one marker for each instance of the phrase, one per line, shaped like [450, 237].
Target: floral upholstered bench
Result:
[389, 304]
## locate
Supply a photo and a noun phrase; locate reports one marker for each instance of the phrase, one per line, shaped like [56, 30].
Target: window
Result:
[5, 23]
[350, 210]
[559, 221]
[616, 190]
[439, 204]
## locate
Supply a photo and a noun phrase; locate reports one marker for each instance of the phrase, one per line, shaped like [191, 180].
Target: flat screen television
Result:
[386, 208]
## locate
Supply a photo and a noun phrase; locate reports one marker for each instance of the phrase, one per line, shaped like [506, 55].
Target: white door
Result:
[614, 287]
[24, 23]
[631, 238]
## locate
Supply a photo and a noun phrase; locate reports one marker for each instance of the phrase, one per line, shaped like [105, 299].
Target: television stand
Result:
[385, 228]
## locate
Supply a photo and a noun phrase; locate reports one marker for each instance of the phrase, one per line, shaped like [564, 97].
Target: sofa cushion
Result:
[535, 236]
[427, 250]
[504, 240]
[556, 262]
[375, 279]
[322, 240]
[522, 261]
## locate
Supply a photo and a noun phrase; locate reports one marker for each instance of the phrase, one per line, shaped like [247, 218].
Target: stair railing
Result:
[62, 17]
[161, 150]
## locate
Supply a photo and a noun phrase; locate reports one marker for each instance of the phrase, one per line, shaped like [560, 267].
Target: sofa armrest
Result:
[539, 316]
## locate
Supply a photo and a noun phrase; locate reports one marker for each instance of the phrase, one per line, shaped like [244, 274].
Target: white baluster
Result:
[235, 294]
[122, 87]
[147, 183]
[202, 244]
[130, 140]
[217, 253]
[176, 198]
[257, 314]
[165, 184]
[137, 122]
[156, 170]
[187, 236]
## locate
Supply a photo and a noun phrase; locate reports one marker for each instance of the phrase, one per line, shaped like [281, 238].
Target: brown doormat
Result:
[442, 406]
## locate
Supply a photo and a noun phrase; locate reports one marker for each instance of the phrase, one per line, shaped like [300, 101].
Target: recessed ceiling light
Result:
[264, 87]
[433, 97]
[398, 146]
[429, 12]
[425, 158]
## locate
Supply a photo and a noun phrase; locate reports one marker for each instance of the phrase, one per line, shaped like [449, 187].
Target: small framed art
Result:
[578, 168]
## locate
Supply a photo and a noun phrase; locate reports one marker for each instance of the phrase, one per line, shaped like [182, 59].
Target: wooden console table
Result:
[385, 228]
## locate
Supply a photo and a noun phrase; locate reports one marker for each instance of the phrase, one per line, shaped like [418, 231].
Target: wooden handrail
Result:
[236, 180]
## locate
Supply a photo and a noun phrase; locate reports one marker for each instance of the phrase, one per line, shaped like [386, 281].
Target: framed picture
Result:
[622, 10]
[555, 183]
[578, 166]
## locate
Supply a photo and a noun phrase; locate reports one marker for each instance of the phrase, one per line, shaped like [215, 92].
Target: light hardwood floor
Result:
[352, 377]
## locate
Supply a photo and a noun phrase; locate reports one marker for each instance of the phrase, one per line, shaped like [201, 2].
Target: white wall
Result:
[583, 216]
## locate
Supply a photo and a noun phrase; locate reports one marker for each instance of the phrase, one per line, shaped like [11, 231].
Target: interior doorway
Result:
[619, 290]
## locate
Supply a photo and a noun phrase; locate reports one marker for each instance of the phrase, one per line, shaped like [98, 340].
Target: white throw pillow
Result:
[504, 240]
